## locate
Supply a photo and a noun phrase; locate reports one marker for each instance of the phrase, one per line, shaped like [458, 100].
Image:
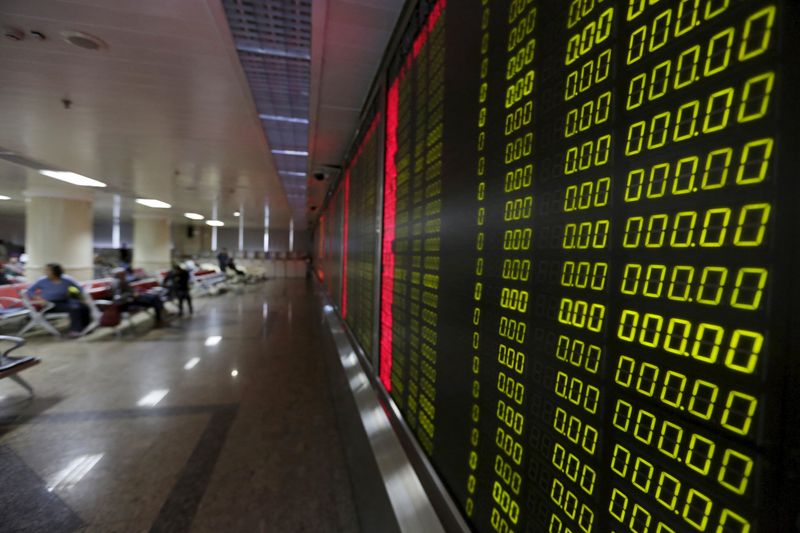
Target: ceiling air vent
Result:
[84, 40]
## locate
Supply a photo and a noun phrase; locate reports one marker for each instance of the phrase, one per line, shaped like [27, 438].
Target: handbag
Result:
[111, 316]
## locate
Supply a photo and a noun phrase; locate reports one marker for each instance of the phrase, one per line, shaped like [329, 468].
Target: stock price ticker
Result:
[586, 274]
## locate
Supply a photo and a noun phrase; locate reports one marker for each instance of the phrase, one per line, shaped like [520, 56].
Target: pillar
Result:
[58, 229]
[151, 243]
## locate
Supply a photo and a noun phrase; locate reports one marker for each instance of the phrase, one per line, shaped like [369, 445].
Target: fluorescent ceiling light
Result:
[74, 472]
[194, 216]
[290, 152]
[279, 118]
[292, 173]
[215, 223]
[191, 363]
[4, 197]
[236, 213]
[213, 340]
[71, 177]
[273, 52]
[152, 398]
[151, 202]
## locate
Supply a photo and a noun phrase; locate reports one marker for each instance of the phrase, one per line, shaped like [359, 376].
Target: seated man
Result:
[125, 297]
[65, 293]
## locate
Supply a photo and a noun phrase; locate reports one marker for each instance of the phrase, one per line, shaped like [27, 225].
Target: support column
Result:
[58, 229]
[151, 243]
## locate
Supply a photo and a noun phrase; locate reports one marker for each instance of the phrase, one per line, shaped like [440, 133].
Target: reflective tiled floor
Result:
[219, 422]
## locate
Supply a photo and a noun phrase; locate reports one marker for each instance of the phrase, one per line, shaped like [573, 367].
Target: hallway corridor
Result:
[219, 422]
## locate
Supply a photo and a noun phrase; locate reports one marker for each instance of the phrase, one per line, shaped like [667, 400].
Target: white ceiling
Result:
[348, 40]
[164, 112]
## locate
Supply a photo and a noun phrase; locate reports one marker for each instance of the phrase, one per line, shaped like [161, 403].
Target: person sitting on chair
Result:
[64, 292]
[125, 297]
[232, 266]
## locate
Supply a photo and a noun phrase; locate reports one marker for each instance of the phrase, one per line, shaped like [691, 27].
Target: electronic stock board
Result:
[587, 260]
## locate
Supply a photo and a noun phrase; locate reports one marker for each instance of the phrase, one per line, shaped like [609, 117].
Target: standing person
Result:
[63, 291]
[177, 280]
[125, 257]
[222, 259]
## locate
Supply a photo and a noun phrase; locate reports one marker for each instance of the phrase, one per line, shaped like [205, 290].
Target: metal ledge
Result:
[405, 470]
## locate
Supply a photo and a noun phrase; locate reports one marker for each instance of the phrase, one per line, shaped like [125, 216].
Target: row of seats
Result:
[15, 304]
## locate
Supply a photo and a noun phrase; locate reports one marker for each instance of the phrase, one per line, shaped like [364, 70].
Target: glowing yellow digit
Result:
[669, 442]
[763, 21]
[672, 389]
[633, 190]
[676, 341]
[722, 39]
[681, 280]
[685, 171]
[660, 30]
[686, 121]
[656, 231]
[636, 44]
[755, 107]
[754, 281]
[716, 170]
[668, 490]
[683, 229]
[657, 184]
[739, 410]
[707, 341]
[712, 283]
[753, 215]
[630, 280]
[716, 118]
[655, 280]
[686, 69]
[689, 512]
[687, 16]
[647, 380]
[715, 227]
[735, 471]
[659, 80]
[755, 154]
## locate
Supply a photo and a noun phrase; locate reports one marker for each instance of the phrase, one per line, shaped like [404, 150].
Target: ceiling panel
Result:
[348, 42]
[273, 40]
[165, 111]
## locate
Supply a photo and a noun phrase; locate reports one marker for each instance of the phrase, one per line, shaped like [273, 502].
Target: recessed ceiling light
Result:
[4, 197]
[236, 213]
[215, 223]
[72, 177]
[290, 152]
[151, 202]
[194, 216]
[84, 40]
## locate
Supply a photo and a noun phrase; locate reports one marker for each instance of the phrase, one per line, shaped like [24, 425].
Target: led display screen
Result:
[586, 267]
[360, 211]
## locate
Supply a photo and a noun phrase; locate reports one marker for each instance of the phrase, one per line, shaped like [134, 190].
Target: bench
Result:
[15, 304]
[11, 306]
[11, 366]
[209, 281]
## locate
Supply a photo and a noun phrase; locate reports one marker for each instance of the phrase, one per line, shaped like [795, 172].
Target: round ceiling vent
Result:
[84, 40]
